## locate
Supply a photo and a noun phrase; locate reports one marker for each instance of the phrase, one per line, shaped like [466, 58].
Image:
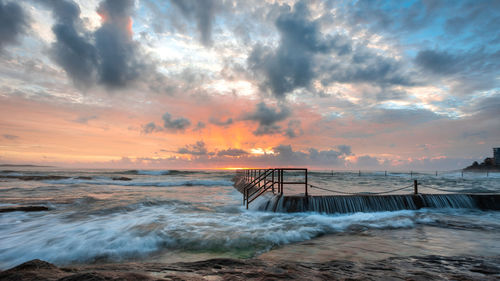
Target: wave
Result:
[148, 172]
[147, 230]
[193, 182]
[152, 226]
[161, 172]
[10, 173]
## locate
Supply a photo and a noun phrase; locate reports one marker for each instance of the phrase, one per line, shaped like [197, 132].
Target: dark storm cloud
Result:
[365, 67]
[267, 119]
[305, 54]
[119, 62]
[437, 62]
[291, 65]
[233, 152]
[178, 124]
[108, 56]
[13, 23]
[472, 70]
[471, 62]
[197, 149]
[72, 50]
[219, 122]
[203, 12]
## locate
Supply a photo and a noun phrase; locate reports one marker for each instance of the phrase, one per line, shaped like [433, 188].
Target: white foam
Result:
[164, 183]
[119, 236]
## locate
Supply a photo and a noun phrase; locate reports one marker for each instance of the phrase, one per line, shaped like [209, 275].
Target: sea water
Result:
[170, 216]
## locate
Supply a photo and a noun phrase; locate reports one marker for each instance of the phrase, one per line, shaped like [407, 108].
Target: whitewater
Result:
[172, 215]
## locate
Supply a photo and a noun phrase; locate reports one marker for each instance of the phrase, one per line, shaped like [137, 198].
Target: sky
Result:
[344, 85]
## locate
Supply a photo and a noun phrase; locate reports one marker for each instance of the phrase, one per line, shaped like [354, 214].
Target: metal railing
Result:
[258, 181]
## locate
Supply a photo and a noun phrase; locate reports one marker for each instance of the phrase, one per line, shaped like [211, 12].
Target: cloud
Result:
[344, 149]
[108, 56]
[221, 123]
[450, 22]
[203, 12]
[85, 119]
[328, 157]
[469, 71]
[233, 152]
[305, 54]
[367, 161]
[197, 149]
[150, 127]
[200, 126]
[72, 49]
[407, 116]
[170, 124]
[364, 66]
[119, 61]
[285, 154]
[294, 129]
[290, 65]
[487, 108]
[178, 124]
[10, 137]
[437, 62]
[401, 18]
[267, 117]
[13, 23]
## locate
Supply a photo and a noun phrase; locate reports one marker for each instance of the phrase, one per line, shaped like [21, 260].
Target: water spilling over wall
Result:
[371, 203]
[376, 203]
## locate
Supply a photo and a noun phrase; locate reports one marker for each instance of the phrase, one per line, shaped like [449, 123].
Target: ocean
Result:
[173, 215]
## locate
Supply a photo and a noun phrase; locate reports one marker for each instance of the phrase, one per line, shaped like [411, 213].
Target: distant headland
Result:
[489, 163]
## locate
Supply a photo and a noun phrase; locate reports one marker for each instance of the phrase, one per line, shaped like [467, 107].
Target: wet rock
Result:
[34, 265]
[32, 270]
[83, 178]
[24, 209]
[121, 179]
[106, 276]
[396, 268]
[34, 178]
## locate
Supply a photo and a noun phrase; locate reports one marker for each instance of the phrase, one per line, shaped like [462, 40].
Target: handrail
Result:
[256, 181]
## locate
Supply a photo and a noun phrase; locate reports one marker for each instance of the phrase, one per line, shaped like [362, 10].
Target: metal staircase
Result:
[255, 182]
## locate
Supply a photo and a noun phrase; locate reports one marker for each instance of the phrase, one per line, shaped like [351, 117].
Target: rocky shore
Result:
[397, 268]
